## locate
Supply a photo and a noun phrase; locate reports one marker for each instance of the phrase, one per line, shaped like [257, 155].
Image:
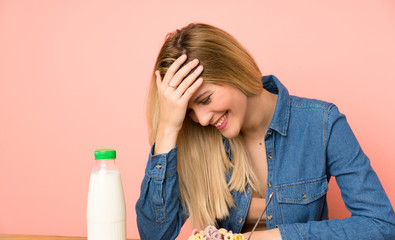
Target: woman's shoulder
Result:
[306, 109]
[303, 102]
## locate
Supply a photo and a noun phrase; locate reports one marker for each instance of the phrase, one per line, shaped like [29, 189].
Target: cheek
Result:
[232, 105]
[221, 104]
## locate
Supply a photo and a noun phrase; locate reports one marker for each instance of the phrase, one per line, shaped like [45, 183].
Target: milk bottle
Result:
[106, 212]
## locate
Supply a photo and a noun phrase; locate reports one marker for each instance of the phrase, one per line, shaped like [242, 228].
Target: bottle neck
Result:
[104, 164]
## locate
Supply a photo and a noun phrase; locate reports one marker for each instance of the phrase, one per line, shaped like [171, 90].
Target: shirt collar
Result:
[280, 118]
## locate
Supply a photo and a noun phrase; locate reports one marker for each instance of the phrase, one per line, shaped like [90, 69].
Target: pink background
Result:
[74, 77]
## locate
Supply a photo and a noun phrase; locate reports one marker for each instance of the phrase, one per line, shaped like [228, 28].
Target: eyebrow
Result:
[200, 95]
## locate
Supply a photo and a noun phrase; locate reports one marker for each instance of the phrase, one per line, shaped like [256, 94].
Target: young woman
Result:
[224, 138]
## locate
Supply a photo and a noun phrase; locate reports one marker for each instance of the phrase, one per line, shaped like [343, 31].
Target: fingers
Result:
[175, 77]
[192, 89]
[183, 72]
[189, 80]
[173, 69]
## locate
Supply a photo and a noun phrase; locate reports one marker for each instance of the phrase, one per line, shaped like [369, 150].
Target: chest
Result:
[287, 166]
[257, 153]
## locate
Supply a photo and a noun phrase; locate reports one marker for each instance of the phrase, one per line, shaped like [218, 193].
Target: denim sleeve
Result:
[372, 214]
[159, 212]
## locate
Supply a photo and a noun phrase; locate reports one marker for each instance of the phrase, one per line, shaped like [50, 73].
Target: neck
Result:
[260, 111]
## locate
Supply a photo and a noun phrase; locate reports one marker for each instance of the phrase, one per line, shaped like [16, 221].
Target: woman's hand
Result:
[175, 91]
[272, 234]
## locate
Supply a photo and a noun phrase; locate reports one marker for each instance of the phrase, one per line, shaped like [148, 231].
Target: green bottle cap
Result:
[105, 154]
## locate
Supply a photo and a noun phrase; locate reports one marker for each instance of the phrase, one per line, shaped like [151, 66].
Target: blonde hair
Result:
[202, 162]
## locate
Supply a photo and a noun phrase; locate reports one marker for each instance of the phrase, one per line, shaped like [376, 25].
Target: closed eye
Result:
[206, 101]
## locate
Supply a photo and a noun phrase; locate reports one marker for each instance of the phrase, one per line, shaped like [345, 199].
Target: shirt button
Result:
[270, 156]
[269, 217]
[269, 184]
[240, 220]
[304, 196]
[159, 166]
[269, 133]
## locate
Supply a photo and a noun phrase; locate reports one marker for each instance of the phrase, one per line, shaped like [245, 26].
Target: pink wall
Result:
[74, 77]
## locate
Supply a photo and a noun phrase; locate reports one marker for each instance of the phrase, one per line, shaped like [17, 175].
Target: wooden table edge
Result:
[4, 236]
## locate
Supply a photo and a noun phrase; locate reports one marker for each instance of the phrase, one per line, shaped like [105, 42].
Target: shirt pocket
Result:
[303, 201]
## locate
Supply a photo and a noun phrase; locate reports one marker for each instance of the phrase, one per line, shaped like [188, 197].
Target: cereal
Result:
[239, 236]
[223, 231]
[229, 236]
[212, 233]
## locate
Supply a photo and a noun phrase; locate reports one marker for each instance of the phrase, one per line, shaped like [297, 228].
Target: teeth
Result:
[219, 123]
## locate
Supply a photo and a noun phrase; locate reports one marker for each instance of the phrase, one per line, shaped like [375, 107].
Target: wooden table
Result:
[39, 237]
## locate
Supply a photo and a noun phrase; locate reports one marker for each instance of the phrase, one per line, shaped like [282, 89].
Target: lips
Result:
[221, 122]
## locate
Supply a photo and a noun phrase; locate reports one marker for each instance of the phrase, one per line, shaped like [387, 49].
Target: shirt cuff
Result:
[161, 165]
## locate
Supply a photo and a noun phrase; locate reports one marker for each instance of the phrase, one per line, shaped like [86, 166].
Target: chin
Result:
[230, 134]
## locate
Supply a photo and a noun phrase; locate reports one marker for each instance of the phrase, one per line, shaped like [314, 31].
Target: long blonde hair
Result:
[202, 162]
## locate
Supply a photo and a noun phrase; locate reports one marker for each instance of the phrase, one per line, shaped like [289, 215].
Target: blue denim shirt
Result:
[308, 141]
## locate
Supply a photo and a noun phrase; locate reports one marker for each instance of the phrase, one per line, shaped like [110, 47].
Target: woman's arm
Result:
[272, 234]
[159, 212]
[372, 214]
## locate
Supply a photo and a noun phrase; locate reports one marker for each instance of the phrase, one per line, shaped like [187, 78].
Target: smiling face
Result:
[221, 106]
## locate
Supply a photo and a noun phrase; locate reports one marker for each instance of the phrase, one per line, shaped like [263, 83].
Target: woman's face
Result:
[221, 106]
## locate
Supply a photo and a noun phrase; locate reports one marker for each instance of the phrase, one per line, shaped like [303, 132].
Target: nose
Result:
[202, 117]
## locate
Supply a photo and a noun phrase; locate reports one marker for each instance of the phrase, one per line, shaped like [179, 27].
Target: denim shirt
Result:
[308, 141]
